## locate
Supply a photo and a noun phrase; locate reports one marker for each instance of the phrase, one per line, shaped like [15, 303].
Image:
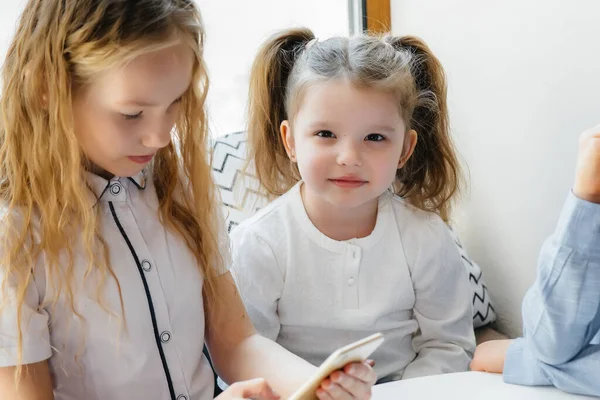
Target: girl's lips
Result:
[141, 159]
[348, 182]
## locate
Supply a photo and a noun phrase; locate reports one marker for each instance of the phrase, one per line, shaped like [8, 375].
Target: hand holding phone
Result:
[354, 352]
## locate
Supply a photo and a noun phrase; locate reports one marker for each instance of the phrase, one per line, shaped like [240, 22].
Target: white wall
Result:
[236, 28]
[524, 81]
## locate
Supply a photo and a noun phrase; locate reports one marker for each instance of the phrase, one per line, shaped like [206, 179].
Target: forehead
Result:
[342, 101]
[155, 77]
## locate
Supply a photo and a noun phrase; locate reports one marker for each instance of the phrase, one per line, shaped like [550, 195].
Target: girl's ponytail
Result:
[266, 109]
[431, 177]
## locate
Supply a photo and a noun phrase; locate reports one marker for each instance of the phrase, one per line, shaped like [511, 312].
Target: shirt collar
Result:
[100, 185]
[385, 214]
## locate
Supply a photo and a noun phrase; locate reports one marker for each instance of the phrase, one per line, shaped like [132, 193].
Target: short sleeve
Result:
[259, 280]
[31, 319]
[224, 244]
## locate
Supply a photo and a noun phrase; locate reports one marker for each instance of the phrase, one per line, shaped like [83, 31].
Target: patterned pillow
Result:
[241, 199]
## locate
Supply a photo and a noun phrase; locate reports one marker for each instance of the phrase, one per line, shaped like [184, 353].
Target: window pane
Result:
[9, 13]
[235, 29]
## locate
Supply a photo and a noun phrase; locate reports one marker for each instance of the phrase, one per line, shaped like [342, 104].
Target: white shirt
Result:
[313, 294]
[159, 356]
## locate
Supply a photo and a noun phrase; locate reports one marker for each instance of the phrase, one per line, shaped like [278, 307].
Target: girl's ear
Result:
[288, 140]
[410, 142]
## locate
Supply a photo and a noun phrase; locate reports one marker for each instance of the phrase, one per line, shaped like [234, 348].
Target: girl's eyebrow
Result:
[318, 124]
[382, 128]
[143, 103]
[374, 128]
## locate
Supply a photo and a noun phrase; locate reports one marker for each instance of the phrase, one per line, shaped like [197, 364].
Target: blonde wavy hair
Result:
[58, 47]
[294, 59]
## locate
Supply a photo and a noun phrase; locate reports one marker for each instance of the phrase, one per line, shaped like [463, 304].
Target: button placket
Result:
[155, 292]
[350, 283]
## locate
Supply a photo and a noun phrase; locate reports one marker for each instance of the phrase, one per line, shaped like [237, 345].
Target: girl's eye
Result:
[375, 137]
[132, 116]
[325, 134]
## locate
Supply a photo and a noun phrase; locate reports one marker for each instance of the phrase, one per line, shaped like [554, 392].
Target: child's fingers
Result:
[323, 395]
[355, 387]
[361, 371]
[479, 359]
[490, 356]
[476, 365]
[335, 391]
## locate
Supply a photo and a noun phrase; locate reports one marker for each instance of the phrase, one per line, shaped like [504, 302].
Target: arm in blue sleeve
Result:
[579, 375]
[561, 310]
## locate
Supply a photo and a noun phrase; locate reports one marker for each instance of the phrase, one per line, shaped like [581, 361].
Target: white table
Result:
[466, 386]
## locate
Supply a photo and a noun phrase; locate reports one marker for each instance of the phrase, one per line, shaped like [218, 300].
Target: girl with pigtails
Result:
[350, 137]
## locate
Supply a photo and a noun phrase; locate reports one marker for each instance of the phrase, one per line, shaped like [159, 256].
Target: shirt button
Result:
[351, 282]
[182, 397]
[165, 337]
[115, 189]
[146, 265]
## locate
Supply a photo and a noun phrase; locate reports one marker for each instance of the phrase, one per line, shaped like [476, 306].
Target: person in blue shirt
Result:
[561, 311]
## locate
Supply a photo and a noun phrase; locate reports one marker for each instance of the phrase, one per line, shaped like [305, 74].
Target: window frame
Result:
[373, 16]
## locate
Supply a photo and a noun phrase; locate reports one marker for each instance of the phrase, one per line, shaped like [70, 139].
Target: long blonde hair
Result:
[58, 47]
[405, 66]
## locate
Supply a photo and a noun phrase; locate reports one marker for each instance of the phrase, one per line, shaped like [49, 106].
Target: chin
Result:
[348, 201]
[124, 170]
[131, 171]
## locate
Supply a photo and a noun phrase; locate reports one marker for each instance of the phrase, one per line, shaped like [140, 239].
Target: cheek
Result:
[392, 165]
[392, 154]
[386, 163]
[106, 135]
[313, 159]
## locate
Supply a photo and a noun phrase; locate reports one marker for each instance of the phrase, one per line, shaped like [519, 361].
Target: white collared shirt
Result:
[159, 354]
[313, 294]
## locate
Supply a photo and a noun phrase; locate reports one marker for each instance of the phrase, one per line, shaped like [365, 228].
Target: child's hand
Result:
[587, 178]
[256, 389]
[354, 382]
[489, 356]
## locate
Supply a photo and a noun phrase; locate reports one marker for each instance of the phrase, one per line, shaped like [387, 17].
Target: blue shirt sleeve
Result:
[561, 311]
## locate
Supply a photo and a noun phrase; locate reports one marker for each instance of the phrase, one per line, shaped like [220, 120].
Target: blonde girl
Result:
[113, 271]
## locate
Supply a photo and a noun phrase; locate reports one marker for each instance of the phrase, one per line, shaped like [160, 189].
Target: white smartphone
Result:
[354, 352]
